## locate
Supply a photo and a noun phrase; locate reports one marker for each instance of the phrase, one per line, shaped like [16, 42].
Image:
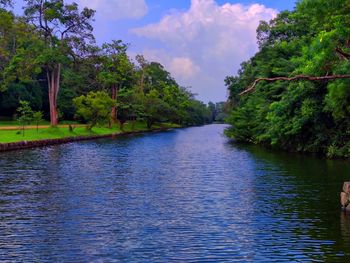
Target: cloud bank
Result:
[204, 44]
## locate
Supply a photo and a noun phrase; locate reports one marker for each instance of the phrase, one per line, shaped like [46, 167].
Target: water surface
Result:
[185, 195]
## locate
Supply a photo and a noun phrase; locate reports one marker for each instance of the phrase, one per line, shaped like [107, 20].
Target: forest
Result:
[294, 93]
[50, 63]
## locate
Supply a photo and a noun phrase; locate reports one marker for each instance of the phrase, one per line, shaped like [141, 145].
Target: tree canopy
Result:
[295, 92]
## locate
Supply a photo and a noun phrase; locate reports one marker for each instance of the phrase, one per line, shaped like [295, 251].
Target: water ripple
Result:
[181, 196]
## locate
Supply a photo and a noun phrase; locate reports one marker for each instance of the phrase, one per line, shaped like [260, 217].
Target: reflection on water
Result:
[184, 195]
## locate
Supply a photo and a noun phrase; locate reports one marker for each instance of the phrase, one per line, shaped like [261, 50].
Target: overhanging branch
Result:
[299, 77]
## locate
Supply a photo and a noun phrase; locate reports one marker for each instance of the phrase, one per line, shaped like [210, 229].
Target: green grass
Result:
[15, 123]
[56, 133]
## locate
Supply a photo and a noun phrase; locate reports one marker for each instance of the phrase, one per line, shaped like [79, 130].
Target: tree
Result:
[300, 78]
[143, 63]
[212, 109]
[116, 70]
[221, 112]
[18, 45]
[60, 26]
[94, 108]
[79, 78]
[37, 118]
[129, 106]
[25, 114]
[156, 110]
[9, 99]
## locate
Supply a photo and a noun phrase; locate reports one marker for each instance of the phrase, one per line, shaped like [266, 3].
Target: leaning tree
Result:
[61, 26]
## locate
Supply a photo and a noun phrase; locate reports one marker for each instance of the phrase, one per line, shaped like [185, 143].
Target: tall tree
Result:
[60, 26]
[19, 45]
[143, 65]
[7, 50]
[116, 70]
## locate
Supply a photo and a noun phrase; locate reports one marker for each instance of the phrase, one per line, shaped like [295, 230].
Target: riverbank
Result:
[14, 140]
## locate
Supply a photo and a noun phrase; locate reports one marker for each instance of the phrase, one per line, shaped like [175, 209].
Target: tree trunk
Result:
[114, 108]
[53, 79]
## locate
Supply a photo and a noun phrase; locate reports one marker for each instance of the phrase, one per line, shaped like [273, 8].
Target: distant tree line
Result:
[49, 58]
[294, 93]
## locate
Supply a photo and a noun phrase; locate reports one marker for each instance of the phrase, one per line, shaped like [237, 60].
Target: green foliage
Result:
[94, 108]
[129, 106]
[217, 112]
[18, 49]
[117, 68]
[297, 116]
[37, 118]
[24, 114]
[156, 110]
[9, 99]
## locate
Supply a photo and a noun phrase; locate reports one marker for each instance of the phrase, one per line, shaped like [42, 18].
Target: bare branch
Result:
[299, 77]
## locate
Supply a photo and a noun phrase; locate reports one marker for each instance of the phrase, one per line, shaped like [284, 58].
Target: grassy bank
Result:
[57, 132]
[9, 122]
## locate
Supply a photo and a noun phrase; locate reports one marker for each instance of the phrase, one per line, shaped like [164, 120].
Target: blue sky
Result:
[198, 41]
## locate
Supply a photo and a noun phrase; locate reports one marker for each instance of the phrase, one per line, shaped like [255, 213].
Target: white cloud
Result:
[183, 67]
[116, 9]
[209, 39]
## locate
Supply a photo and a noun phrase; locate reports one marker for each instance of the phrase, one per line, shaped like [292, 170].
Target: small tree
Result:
[25, 114]
[37, 118]
[94, 108]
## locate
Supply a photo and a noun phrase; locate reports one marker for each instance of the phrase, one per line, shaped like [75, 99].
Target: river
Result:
[186, 195]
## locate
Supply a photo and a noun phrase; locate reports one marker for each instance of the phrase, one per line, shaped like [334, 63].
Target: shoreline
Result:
[13, 146]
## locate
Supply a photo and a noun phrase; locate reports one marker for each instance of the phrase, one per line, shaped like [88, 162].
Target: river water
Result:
[186, 195]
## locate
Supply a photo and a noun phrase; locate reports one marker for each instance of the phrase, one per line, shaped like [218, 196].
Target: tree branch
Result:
[342, 53]
[299, 77]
